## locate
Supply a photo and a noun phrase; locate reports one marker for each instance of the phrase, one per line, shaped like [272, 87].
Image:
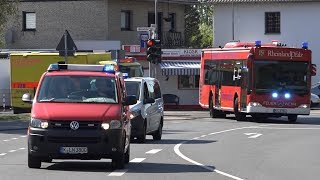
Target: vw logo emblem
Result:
[74, 125]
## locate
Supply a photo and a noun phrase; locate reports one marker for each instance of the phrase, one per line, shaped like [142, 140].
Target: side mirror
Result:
[313, 69]
[148, 101]
[130, 100]
[27, 98]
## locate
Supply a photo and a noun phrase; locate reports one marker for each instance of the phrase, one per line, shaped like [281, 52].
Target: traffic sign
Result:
[143, 39]
[146, 28]
[66, 44]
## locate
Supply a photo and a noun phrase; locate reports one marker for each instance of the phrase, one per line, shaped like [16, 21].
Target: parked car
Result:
[147, 114]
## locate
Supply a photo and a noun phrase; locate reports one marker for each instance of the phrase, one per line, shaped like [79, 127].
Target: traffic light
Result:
[154, 51]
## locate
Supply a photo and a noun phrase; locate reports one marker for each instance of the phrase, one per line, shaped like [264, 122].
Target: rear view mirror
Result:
[313, 69]
[27, 98]
[148, 101]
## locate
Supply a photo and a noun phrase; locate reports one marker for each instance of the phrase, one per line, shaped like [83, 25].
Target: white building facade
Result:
[289, 21]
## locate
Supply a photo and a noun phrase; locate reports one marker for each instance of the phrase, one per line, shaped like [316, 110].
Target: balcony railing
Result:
[172, 40]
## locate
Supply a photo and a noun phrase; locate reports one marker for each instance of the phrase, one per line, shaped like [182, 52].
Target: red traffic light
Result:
[150, 42]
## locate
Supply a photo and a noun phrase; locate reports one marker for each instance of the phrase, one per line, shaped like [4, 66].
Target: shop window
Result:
[188, 82]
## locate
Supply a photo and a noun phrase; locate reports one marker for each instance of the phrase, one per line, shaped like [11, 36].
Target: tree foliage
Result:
[199, 32]
[7, 8]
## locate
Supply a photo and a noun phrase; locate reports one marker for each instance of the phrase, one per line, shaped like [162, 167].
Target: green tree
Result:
[199, 32]
[7, 8]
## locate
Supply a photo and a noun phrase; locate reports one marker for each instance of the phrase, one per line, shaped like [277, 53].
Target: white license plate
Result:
[73, 150]
[282, 111]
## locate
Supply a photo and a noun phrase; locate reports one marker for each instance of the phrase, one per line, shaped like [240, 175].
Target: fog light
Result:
[114, 149]
[115, 124]
[105, 126]
[287, 95]
[35, 148]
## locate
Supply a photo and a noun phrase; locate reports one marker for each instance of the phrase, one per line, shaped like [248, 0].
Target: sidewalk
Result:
[10, 121]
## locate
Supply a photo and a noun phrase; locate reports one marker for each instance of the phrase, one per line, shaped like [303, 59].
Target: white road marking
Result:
[153, 151]
[6, 140]
[2, 154]
[253, 135]
[280, 128]
[12, 151]
[119, 172]
[177, 151]
[137, 160]
[14, 138]
[24, 136]
[195, 138]
[22, 148]
[203, 136]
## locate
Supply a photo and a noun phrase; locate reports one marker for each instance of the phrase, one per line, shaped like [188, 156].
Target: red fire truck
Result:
[261, 80]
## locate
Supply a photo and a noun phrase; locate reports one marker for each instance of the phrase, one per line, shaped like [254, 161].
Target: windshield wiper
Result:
[47, 100]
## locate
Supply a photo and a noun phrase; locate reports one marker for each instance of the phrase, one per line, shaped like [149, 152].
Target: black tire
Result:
[213, 112]
[292, 118]
[239, 116]
[142, 137]
[33, 162]
[158, 134]
[119, 160]
[127, 155]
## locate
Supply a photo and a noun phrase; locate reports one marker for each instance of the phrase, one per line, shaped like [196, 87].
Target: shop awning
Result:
[180, 67]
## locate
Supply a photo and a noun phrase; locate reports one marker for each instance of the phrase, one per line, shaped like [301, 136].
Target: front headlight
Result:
[38, 123]
[115, 124]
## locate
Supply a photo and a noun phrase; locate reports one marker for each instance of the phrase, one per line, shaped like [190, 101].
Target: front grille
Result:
[82, 124]
[54, 139]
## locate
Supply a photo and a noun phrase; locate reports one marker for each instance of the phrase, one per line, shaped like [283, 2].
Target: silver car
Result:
[147, 114]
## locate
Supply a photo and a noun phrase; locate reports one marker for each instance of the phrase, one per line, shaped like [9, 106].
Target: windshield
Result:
[133, 71]
[280, 75]
[133, 88]
[79, 89]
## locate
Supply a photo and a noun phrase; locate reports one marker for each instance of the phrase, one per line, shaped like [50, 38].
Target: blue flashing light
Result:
[305, 45]
[125, 75]
[258, 43]
[53, 67]
[109, 68]
[275, 95]
[287, 95]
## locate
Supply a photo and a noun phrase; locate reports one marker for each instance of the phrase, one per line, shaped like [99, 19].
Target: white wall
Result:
[299, 22]
[5, 82]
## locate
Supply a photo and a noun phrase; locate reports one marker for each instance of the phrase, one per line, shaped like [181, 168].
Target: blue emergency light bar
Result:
[125, 75]
[258, 43]
[305, 45]
[82, 67]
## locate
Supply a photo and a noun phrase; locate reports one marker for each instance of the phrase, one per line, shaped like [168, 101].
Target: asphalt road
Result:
[193, 147]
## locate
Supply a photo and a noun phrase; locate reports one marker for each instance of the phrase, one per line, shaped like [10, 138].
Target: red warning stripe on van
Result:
[24, 84]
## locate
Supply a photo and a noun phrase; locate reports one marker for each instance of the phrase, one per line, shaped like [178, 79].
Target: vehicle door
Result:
[153, 107]
[158, 105]
[146, 110]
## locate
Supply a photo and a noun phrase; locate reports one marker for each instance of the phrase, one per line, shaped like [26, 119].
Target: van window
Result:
[133, 88]
[78, 89]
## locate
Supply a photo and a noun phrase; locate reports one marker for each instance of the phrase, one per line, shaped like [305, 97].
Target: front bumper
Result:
[46, 143]
[265, 110]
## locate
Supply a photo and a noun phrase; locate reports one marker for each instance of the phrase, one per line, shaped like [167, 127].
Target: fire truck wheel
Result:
[239, 116]
[213, 112]
[292, 118]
